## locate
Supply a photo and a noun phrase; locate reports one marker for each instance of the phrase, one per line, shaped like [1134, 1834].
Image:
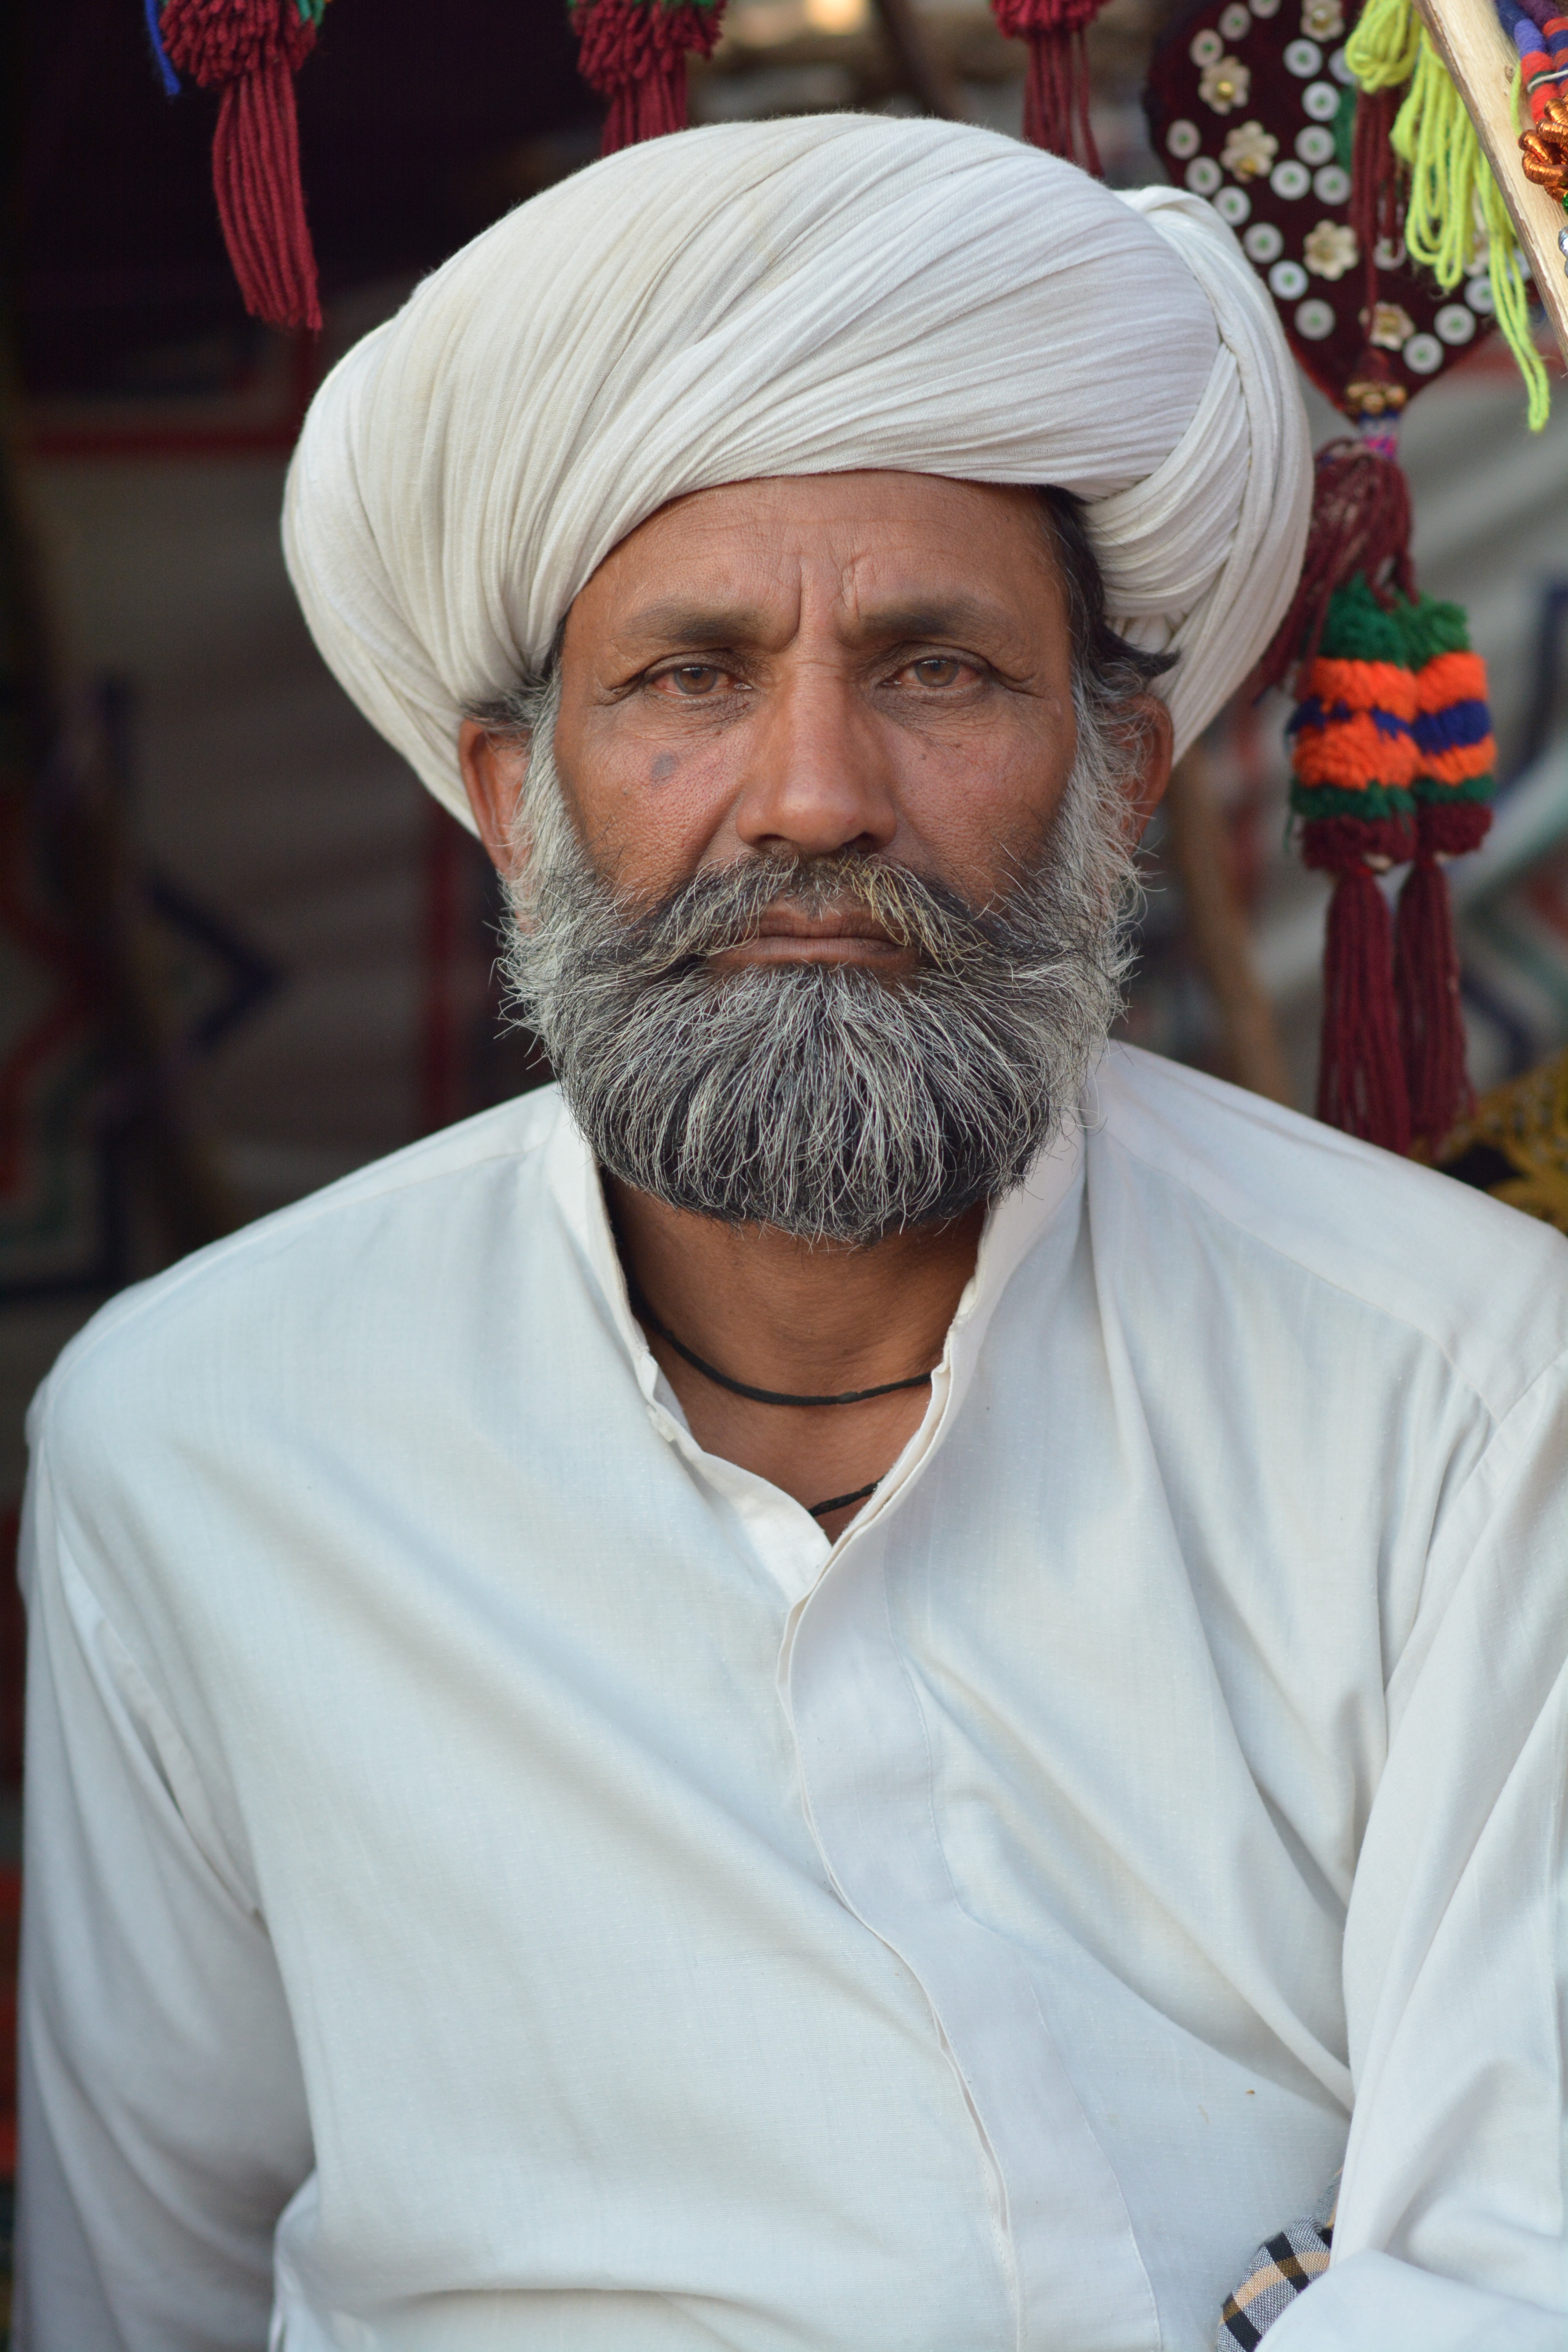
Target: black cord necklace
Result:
[644, 1314]
[837, 1502]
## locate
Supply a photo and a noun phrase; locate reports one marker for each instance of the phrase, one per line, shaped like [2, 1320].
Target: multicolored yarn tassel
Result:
[1455, 782]
[633, 53]
[1539, 31]
[1056, 84]
[1353, 757]
[1352, 736]
[1393, 758]
[1450, 182]
[251, 50]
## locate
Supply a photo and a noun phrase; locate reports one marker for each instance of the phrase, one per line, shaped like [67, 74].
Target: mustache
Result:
[720, 907]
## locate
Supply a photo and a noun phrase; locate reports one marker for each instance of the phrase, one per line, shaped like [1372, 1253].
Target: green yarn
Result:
[1361, 627]
[1432, 794]
[1358, 628]
[1431, 627]
[1344, 130]
[1315, 802]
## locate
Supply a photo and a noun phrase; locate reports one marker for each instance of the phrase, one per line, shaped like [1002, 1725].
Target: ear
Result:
[1150, 773]
[495, 769]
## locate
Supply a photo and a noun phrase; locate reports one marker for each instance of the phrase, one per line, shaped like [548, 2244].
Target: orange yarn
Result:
[1450, 678]
[1461, 765]
[1352, 754]
[1365, 685]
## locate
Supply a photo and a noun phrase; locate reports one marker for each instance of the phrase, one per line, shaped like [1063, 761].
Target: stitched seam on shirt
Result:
[1500, 1433]
[1004, 2227]
[152, 1716]
[1494, 1413]
[164, 1288]
[1557, 1916]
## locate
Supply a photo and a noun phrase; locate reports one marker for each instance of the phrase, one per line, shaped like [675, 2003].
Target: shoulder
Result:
[1483, 1284]
[297, 1265]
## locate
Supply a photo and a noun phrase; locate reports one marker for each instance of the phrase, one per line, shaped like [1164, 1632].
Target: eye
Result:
[691, 680]
[937, 670]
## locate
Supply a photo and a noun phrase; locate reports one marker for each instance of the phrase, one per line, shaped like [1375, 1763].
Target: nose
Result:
[820, 777]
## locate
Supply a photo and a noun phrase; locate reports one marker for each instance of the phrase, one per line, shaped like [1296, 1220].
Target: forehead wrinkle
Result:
[913, 620]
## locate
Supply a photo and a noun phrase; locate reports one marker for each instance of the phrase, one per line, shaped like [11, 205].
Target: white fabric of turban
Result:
[798, 297]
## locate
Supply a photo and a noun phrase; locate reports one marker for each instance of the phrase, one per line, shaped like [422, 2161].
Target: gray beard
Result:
[819, 1099]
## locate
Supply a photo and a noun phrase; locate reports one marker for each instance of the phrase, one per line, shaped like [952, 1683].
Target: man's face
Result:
[879, 662]
[821, 884]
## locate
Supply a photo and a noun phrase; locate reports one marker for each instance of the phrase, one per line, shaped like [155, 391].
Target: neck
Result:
[804, 1319]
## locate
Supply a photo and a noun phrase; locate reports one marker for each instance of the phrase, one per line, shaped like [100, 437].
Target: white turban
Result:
[802, 297]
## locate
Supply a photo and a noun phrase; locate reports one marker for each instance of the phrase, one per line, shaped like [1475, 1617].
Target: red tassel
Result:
[1361, 522]
[1426, 972]
[251, 50]
[1431, 1025]
[1374, 211]
[1453, 828]
[634, 53]
[255, 173]
[1056, 83]
[1361, 1074]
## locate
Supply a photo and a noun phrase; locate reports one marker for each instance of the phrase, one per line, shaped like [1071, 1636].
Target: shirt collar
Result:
[1012, 1227]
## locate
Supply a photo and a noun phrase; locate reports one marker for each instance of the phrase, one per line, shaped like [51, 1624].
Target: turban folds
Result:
[801, 297]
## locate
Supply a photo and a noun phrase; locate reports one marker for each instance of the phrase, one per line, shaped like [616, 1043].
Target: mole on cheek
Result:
[665, 765]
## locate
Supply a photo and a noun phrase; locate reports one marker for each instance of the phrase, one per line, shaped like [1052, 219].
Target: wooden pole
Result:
[1482, 60]
[1221, 934]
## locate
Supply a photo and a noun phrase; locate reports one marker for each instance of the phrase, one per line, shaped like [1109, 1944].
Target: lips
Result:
[785, 922]
[783, 934]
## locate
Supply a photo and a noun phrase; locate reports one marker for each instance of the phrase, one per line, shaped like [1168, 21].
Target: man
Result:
[873, 1680]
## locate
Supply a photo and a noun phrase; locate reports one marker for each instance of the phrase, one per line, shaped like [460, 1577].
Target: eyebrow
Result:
[694, 625]
[673, 623]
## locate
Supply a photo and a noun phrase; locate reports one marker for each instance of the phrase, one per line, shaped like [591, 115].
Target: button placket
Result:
[1065, 2240]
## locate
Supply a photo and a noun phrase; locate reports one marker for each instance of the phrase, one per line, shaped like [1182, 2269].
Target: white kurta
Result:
[514, 1847]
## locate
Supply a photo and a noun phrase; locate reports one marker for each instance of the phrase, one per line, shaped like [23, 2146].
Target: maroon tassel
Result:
[251, 50]
[1431, 1026]
[1453, 828]
[1361, 1073]
[1376, 212]
[1056, 83]
[634, 53]
[261, 202]
[1427, 973]
[1361, 522]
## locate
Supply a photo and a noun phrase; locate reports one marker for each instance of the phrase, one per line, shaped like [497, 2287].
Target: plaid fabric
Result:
[1278, 2273]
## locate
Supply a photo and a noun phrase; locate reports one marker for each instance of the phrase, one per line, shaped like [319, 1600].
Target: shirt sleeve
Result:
[163, 2122]
[1450, 2233]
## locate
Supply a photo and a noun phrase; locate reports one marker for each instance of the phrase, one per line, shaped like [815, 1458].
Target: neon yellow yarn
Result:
[1451, 182]
[1509, 295]
[1380, 52]
[1434, 139]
